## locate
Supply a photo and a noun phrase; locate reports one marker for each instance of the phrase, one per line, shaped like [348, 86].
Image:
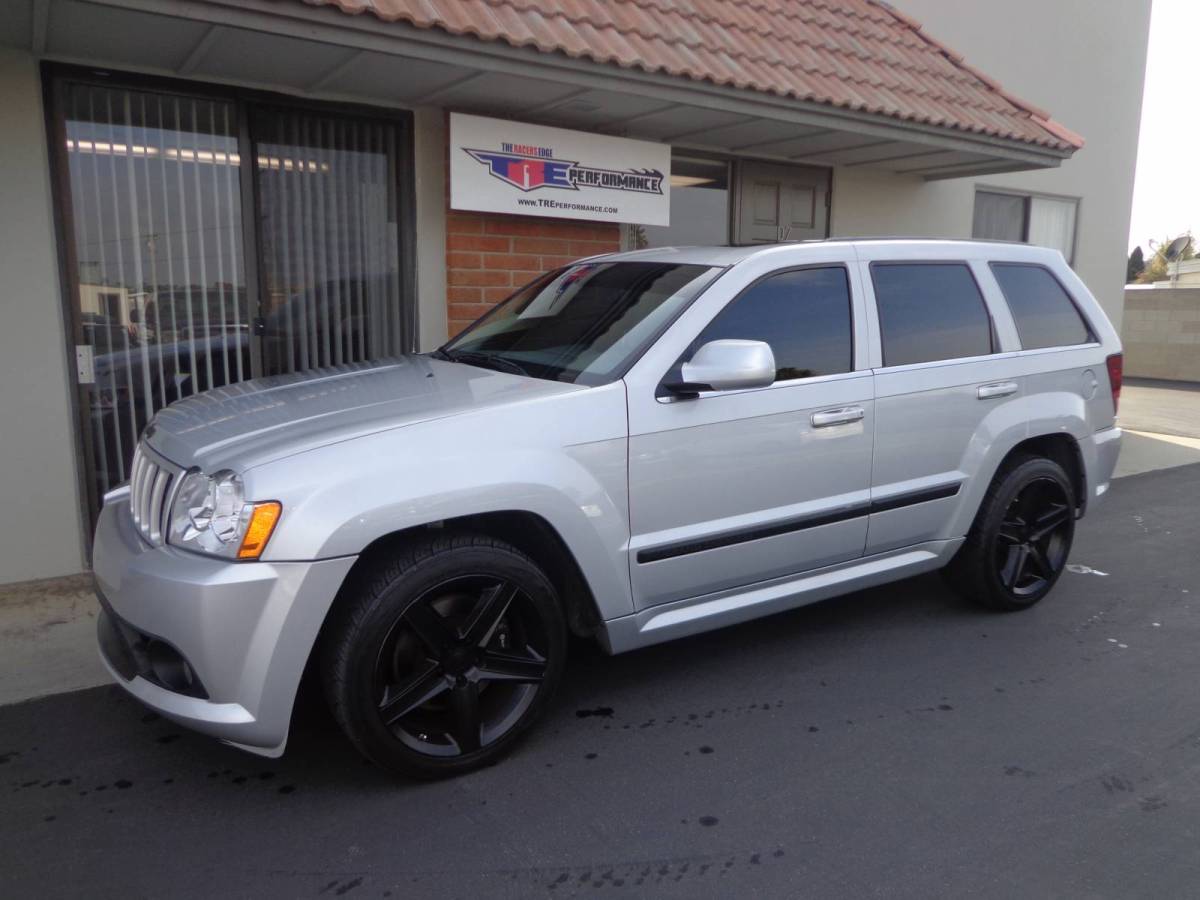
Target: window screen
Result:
[804, 315]
[929, 311]
[1042, 309]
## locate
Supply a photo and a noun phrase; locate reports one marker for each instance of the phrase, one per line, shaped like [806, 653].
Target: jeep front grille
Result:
[151, 481]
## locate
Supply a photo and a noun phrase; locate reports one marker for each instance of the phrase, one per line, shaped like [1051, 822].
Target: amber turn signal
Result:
[258, 532]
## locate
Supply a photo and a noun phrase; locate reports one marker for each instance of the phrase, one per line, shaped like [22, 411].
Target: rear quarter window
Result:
[930, 312]
[1044, 312]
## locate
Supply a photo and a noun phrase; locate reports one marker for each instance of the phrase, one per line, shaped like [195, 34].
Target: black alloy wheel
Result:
[1034, 537]
[462, 664]
[1019, 543]
[442, 656]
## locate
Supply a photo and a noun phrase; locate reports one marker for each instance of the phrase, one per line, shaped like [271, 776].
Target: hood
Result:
[253, 422]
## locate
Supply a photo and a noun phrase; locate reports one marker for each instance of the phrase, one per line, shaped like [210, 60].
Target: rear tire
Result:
[445, 656]
[1018, 546]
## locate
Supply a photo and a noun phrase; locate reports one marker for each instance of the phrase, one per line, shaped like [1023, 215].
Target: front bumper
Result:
[244, 630]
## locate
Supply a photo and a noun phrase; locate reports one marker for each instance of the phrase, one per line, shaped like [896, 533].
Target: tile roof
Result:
[860, 55]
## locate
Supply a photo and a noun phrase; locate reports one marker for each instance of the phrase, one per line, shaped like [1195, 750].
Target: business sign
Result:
[532, 170]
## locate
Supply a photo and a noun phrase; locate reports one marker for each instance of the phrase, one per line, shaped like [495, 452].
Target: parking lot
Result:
[896, 741]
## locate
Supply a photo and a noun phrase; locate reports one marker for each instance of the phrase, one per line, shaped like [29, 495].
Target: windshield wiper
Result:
[483, 360]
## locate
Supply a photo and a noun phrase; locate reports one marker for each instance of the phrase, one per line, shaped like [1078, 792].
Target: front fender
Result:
[552, 459]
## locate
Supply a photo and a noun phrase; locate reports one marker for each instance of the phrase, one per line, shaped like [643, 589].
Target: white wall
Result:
[870, 203]
[1084, 62]
[40, 526]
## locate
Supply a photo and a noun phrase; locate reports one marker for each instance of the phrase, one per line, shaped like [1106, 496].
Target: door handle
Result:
[999, 389]
[842, 416]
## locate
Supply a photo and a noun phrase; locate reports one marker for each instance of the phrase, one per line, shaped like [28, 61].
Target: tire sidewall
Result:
[368, 730]
[1011, 485]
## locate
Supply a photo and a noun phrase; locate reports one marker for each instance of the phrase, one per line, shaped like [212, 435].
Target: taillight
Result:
[1115, 365]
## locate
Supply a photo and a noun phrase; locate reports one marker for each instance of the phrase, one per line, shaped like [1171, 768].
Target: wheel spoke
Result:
[1029, 502]
[507, 667]
[1011, 531]
[1049, 522]
[1014, 566]
[1038, 558]
[465, 718]
[493, 604]
[418, 691]
[435, 633]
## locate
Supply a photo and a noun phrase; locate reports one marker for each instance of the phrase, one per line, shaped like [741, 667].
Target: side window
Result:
[803, 314]
[930, 311]
[1043, 310]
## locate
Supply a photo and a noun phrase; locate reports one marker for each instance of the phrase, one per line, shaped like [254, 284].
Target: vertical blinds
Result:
[327, 218]
[158, 182]
[157, 224]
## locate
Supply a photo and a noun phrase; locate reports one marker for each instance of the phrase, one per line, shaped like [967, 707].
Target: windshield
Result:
[583, 323]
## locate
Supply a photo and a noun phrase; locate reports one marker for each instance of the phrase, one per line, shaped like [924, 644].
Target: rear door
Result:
[940, 373]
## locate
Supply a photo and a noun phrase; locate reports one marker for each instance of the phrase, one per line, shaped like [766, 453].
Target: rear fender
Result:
[1002, 430]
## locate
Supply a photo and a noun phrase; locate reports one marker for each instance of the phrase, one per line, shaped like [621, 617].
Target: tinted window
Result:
[804, 315]
[1043, 311]
[929, 311]
[582, 323]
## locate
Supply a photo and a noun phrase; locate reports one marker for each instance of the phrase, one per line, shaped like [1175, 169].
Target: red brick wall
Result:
[488, 255]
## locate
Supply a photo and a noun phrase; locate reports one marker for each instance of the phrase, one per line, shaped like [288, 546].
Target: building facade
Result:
[204, 191]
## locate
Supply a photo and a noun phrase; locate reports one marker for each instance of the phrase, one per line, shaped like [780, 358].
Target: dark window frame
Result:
[56, 77]
[993, 337]
[694, 344]
[1083, 317]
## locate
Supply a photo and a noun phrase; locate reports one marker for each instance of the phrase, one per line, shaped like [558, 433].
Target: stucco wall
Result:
[40, 529]
[1161, 333]
[1084, 61]
[870, 203]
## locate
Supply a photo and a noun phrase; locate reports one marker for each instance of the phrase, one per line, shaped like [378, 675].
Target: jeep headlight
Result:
[211, 515]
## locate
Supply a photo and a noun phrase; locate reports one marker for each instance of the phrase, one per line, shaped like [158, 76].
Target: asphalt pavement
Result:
[893, 742]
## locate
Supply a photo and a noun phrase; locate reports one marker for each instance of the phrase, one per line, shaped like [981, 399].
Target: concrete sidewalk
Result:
[1161, 407]
[48, 638]
[1162, 425]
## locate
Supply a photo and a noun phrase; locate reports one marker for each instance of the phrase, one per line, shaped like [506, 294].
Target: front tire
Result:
[446, 656]
[1019, 544]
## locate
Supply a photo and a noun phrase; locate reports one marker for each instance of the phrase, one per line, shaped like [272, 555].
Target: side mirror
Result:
[727, 365]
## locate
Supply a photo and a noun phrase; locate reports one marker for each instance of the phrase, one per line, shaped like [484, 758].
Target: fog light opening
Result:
[171, 669]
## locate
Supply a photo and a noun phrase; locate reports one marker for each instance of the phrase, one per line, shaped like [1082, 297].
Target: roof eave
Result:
[327, 24]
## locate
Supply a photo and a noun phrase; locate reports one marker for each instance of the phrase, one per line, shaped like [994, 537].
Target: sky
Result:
[1166, 193]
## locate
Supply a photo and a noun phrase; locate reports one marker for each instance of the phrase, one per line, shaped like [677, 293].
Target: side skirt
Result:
[709, 611]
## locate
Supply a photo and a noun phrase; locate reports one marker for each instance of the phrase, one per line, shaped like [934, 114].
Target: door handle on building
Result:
[999, 389]
[837, 416]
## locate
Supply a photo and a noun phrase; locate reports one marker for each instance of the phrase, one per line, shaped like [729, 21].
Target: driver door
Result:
[731, 488]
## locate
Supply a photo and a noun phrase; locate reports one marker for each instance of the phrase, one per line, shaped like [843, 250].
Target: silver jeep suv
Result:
[633, 448]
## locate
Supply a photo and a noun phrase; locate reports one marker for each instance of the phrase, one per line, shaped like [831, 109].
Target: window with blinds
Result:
[1033, 219]
[214, 239]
